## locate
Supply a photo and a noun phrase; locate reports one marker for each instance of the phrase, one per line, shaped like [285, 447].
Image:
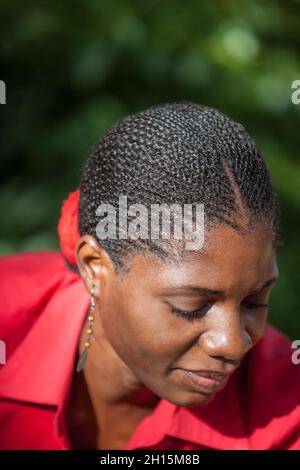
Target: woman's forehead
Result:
[228, 258]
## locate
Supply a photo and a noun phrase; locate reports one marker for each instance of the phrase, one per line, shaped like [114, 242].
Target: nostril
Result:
[233, 362]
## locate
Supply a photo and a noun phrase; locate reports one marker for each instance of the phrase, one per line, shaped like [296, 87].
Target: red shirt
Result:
[43, 307]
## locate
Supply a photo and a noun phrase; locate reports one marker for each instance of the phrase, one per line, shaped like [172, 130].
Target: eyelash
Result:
[253, 305]
[194, 315]
[197, 314]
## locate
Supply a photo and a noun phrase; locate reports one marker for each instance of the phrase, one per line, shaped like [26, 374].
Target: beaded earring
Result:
[90, 330]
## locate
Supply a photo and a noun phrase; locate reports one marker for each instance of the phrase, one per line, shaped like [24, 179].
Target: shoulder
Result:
[29, 263]
[273, 381]
[273, 355]
[274, 343]
[27, 283]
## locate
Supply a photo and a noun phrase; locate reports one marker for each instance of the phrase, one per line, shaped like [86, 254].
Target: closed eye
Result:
[200, 312]
[254, 305]
[190, 314]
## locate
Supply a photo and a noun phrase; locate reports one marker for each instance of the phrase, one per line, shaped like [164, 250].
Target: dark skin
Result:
[141, 345]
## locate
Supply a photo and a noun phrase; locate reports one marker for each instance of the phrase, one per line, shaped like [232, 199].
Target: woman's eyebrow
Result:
[195, 289]
[265, 284]
[204, 290]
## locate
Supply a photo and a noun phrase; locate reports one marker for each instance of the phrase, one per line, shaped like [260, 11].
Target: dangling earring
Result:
[83, 357]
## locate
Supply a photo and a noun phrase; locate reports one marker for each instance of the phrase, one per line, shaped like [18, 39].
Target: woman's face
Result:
[203, 313]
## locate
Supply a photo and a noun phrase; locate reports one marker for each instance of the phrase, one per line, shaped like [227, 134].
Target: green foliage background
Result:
[72, 68]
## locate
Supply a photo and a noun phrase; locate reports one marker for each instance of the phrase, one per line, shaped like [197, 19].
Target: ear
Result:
[94, 264]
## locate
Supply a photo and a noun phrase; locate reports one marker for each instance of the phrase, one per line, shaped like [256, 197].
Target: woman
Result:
[131, 342]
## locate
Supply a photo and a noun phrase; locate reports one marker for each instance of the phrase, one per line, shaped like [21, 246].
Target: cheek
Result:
[145, 335]
[256, 324]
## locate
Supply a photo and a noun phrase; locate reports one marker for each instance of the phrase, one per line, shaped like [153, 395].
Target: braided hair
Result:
[177, 153]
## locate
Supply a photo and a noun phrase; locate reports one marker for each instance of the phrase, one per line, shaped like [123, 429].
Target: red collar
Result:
[54, 337]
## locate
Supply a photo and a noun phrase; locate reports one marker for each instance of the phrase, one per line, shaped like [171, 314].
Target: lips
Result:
[206, 382]
[210, 374]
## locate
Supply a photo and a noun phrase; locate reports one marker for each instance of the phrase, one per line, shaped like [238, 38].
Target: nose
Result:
[227, 337]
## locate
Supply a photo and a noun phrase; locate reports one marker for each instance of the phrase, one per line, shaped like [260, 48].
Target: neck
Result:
[107, 401]
[109, 380]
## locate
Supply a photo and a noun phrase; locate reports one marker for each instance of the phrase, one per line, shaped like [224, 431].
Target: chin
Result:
[191, 399]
